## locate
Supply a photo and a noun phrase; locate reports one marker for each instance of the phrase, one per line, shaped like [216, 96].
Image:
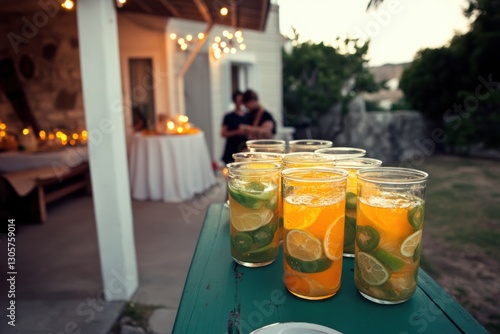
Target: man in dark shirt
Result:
[232, 130]
[260, 123]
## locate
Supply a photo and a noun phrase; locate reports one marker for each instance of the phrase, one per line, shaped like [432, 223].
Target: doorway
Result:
[142, 92]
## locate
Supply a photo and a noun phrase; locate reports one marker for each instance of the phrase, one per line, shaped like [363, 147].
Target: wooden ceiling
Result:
[246, 14]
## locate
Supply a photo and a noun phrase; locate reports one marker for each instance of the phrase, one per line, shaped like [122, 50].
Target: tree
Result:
[317, 76]
[458, 86]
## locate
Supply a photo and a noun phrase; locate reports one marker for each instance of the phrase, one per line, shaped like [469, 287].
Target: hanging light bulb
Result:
[243, 47]
[173, 36]
[189, 38]
[224, 11]
[68, 4]
[201, 35]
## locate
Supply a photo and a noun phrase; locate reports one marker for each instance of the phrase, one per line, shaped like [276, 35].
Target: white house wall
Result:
[263, 52]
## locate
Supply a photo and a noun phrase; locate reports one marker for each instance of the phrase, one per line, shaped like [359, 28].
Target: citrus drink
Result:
[254, 212]
[352, 165]
[313, 210]
[388, 241]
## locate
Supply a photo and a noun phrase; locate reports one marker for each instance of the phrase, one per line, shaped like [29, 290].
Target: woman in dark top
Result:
[232, 130]
[260, 123]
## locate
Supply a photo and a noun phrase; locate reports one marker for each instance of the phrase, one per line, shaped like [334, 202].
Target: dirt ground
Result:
[461, 239]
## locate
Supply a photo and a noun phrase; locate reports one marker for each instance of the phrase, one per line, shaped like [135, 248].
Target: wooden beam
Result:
[204, 11]
[263, 15]
[168, 6]
[144, 7]
[234, 16]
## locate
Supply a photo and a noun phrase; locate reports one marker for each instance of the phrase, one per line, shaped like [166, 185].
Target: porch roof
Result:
[242, 14]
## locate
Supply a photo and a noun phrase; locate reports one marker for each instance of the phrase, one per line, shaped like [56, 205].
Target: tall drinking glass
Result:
[253, 212]
[266, 145]
[265, 156]
[257, 156]
[390, 218]
[307, 159]
[352, 166]
[308, 145]
[313, 211]
[343, 152]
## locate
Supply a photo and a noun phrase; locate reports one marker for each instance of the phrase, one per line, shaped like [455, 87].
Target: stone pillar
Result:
[101, 82]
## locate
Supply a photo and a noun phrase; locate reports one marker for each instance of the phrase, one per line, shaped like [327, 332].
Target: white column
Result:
[102, 96]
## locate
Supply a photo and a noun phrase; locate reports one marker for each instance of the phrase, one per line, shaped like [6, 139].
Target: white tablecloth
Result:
[14, 161]
[171, 168]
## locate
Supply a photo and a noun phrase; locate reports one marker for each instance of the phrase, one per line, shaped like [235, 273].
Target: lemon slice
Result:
[332, 244]
[302, 217]
[250, 221]
[410, 244]
[372, 271]
[303, 246]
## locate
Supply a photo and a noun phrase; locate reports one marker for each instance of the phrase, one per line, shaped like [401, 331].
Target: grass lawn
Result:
[461, 240]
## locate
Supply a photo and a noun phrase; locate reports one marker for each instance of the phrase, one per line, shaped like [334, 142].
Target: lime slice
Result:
[242, 242]
[367, 238]
[303, 246]
[350, 200]
[416, 217]
[246, 201]
[264, 235]
[273, 203]
[253, 195]
[392, 261]
[250, 221]
[332, 244]
[309, 267]
[349, 231]
[411, 243]
[372, 271]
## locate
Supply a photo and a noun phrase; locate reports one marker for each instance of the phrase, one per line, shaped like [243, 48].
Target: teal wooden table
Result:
[221, 296]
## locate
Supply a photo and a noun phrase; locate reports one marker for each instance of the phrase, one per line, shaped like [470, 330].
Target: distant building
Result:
[391, 74]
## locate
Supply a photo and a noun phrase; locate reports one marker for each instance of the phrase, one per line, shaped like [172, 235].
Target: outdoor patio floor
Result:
[58, 283]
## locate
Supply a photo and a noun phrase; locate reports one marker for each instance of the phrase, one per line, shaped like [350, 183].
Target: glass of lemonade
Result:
[390, 216]
[351, 197]
[313, 212]
[265, 156]
[343, 152]
[308, 145]
[266, 145]
[253, 212]
[307, 159]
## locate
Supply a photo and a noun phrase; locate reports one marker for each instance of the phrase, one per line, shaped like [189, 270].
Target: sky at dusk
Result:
[397, 29]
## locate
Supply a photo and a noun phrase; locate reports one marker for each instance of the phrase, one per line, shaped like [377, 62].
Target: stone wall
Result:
[46, 58]
[389, 136]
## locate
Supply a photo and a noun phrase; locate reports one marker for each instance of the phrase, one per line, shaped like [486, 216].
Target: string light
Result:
[229, 43]
[68, 4]
[185, 42]
[224, 11]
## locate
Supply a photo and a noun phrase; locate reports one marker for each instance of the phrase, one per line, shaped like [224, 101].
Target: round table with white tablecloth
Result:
[170, 168]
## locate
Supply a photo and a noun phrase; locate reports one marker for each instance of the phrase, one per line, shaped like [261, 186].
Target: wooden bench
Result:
[33, 206]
